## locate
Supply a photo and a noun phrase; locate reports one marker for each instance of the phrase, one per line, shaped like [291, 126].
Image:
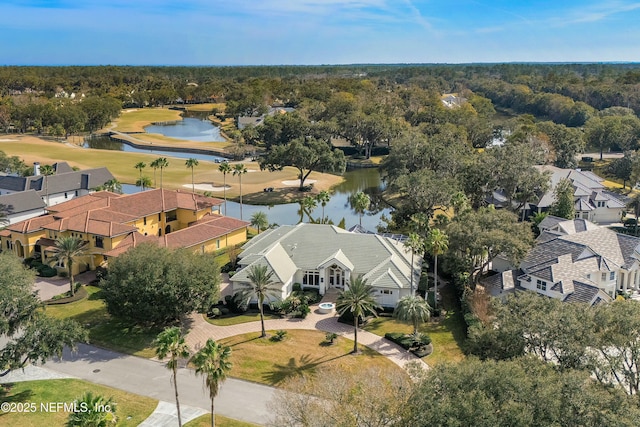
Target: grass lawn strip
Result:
[205, 421]
[138, 408]
[447, 334]
[134, 120]
[301, 352]
[105, 330]
[243, 318]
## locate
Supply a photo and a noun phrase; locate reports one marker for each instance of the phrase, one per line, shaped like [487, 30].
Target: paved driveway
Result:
[48, 287]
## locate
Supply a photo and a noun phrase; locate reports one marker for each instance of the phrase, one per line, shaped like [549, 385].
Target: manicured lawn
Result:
[302, 351]
[206, 107]
[134, 120]
[447, 334]
[131, 409]
[105, 330]
[241, 318]
[205, 421]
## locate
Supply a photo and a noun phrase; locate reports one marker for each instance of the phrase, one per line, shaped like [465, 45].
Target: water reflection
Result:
[107, 143]
[367, 180]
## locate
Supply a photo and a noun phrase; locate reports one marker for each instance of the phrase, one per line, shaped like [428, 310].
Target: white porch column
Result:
[323, 282]
[347, 279]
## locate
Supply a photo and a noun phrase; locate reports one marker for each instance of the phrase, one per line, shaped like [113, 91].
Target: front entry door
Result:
[336, 277]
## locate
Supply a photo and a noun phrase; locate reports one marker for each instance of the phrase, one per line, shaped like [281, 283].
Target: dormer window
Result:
[541, 284]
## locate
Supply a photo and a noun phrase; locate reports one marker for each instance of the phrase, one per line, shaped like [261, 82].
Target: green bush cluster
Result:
[65, 298]
[43, 270]
[297, 304]
[418, 344]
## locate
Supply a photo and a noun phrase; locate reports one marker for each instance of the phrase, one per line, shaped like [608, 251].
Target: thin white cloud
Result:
[596, 12]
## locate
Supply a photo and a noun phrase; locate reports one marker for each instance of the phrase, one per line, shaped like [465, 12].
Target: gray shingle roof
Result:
[22, 201]
[582, 292]
[309, 246]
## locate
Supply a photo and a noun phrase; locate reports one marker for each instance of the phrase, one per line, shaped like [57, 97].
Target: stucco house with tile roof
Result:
[325, 257]
[112, 223]
[593, 201]
[574, 260]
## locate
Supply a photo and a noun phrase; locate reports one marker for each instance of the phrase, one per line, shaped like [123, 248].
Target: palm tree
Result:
[112, 185]
[437, 243]
[92, 410]
[213, 362]
[259, 220]
[240, 169]
[144, 182]
[67, 250]
[309, 203]
[162, 163]
[155, 165]
[360, 202]
[323, 198]
[416, 244]
[357, 299]
[170, 342]
[225, 168]
[140, 166]
[414, 309]
[192, 163]
[262, 288]
[46, 171]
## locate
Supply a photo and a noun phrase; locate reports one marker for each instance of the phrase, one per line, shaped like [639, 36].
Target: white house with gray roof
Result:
[592, 200]
[324, 256]
[574, 260]
[64, 185]
[16, 207]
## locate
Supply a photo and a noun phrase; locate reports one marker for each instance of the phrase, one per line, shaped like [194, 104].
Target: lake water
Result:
[367, 180]
[189, 128]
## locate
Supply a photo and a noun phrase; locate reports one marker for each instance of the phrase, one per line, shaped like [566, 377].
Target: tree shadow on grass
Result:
[247, 340]
[5, 396]
[304, 365]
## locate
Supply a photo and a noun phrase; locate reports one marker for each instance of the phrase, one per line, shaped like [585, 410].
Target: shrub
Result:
[62, 274]
[214, 312]
[81, 293]
[101, 273]
[330, 337]
[297, 287]
[46, 271]
[279, 336]
[312, 295]
[238, 304]
[224, 311]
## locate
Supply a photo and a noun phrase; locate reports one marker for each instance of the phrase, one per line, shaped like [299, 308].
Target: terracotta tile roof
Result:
[80, 202]
[161, 200]
[132, 240]
[30, 225]
[83, 223]
[5, 233]
[221, 221]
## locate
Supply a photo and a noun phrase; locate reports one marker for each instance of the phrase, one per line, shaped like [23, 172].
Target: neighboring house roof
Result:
[381, 260]
[23, 201]
[64, 180]
[588, 187]
[567, 254]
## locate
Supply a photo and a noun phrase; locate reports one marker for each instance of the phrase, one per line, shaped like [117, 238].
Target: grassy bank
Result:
[301, 352]
[131, 409]
[105, 330]
[134, 120]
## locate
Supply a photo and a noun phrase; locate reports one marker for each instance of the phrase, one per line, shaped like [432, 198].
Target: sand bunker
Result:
[207, 187]
[293, 182]
[7, 140]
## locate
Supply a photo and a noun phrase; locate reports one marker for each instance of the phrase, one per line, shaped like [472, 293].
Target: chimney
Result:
[36, 169]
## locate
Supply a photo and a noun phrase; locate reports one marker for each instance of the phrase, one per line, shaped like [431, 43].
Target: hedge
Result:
[81, 293]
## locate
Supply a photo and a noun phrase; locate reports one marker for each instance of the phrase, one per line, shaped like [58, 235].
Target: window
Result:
[159, 216]
[144, 221]
[604, 277]
[99, 242]
[218, 244]
[172, 215]
[602, 204]
[66, 196]
[311, 278]
[612, 275]
[386, 291]
[541, 284]
[589, 276]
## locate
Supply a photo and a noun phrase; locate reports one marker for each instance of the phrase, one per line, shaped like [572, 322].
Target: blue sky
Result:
[271, 32]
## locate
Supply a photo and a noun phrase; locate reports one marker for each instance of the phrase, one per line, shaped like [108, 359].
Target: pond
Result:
[367, 180]
[189, 128]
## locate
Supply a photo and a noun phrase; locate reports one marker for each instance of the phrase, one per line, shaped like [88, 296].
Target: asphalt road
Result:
[237, 399]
